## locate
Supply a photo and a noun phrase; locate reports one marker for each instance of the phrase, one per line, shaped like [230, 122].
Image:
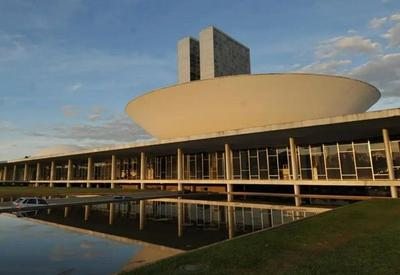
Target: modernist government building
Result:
[221, 128]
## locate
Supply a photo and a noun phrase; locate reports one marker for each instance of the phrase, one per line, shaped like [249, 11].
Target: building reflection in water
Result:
[178, 223]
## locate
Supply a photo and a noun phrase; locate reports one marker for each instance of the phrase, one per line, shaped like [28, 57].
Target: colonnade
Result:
[228, 181]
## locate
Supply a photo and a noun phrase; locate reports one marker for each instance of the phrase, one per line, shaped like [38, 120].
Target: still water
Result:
[28, 247]
[103, 238]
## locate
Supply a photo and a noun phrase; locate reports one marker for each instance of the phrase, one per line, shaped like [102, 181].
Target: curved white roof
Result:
[245, 101]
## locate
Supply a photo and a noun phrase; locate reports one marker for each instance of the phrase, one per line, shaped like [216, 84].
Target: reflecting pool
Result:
[107, 238]
[28, 247]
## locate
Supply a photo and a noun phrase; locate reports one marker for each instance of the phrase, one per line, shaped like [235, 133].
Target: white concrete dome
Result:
[246, 101]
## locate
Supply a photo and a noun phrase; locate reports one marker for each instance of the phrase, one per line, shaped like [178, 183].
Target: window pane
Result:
[306, 174]
[273, 166]
[318, 164]
[244, 160]
[236, 166]
[304, 158]
[332, 159]
[254, 168]
[333, 173]
[364, 173]
[377, 146]
[362, 155]
[262, 159]
[347, 163]
[397, 173]
[345, 147]
[379, 162]
[396, 153]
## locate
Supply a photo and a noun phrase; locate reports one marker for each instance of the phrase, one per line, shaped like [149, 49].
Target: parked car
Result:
[29, 202]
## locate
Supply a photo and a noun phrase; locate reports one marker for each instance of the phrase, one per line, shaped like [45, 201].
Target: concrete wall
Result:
[220, 55]
[188, 60]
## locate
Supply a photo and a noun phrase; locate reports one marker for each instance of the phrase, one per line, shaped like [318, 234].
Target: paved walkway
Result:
[86, 200]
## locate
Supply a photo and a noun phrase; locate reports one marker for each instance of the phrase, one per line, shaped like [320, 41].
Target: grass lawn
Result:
[362, 238]
[7, 191]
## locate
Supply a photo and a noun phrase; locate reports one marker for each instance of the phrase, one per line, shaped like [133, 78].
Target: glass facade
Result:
[45, 171]
[339, 161]
[128, 168]
[265, 163]
[161, 167]
[79, 170]
[31, 172]
[102, 170]
[204, 166]
[61, 171]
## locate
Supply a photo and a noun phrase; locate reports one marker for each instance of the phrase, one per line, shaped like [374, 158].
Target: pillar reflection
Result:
[66, 211]
[111, 214]
[180, 218]
[87, 212]
[142, 214]
[231, 222]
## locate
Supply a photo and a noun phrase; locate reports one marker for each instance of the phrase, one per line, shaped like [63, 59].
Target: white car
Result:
[29, 202]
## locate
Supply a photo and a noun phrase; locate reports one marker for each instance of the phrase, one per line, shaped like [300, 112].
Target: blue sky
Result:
[68, 67]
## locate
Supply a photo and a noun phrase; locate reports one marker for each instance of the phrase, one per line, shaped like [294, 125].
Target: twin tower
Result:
[214, 54]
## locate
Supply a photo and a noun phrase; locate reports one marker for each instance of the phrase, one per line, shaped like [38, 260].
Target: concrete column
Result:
[389, 161]
[228, 171]
[5, 173]
[26, 172]
[142, 170]
[293, 158]
[113, 170]
[52, 172]
[69, 173]
[142, 214]
[89, 172]
[14, 176]
[37, 174]
[179, 167]
[179, 205]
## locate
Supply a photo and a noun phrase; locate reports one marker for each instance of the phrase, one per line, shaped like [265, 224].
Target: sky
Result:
[69, 67]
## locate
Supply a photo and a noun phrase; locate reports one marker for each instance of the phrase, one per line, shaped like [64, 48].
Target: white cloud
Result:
[382, 71]
[347, 45]
[119, 128]
[377, 23]
[393, 35]
[98, 112]
[75, 87]
[328, 67]
[351, 31]
[395, 17]
[70, 110]
[12, 47]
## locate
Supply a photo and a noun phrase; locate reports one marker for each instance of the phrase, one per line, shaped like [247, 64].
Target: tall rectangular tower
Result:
[221, 55]
[188, 60]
